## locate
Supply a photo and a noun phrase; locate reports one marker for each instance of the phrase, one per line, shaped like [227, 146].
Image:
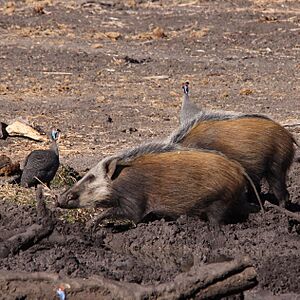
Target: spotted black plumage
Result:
[41, 164]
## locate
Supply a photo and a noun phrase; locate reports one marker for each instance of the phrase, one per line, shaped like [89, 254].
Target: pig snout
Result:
[69, 199]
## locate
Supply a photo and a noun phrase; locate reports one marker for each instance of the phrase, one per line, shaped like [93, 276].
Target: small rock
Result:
[18, 128]
[96, 46]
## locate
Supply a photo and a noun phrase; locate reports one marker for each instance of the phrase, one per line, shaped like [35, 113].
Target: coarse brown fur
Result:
[179, 181]
[263, 147]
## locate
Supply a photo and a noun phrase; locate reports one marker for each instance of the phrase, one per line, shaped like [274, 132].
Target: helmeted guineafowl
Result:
[188, 109]
[41, 164]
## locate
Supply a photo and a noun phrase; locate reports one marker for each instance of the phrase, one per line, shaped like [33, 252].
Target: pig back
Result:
[253, 142]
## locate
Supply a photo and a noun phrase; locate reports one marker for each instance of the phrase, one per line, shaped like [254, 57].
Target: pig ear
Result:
[111, 168]
[114, 169]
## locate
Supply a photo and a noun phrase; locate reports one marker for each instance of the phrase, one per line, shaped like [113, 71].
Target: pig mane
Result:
[187, 126]
[148, 148]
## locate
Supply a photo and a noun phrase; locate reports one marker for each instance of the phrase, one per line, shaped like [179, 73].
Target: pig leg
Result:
[117, 213]
[93, 223]
[112, 213]
[216, 211]
[277, 184]
[210, 209]
[280, 191]
[237, 210]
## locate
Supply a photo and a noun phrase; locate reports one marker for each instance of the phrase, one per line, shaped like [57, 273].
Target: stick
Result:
[231, 285]
[198, 279]
[34, 233]
[203, 282]
[291, 125]
[42, 183]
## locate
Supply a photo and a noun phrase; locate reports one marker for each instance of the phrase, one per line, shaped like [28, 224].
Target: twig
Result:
[42, 183]
[57, 73]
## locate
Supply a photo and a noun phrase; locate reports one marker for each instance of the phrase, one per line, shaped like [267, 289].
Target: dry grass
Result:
[40, 31]
[156, 33]
[17, 194]
[78, 215]
[66, 176]
[26, 197]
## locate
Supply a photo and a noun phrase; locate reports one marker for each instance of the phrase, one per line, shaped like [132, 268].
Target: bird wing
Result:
[40, 160]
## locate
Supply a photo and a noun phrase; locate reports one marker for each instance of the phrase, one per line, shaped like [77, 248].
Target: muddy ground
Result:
[108, 74]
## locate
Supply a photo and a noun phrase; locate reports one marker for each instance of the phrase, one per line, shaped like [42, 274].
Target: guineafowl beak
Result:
[185, 87]
[55, 134]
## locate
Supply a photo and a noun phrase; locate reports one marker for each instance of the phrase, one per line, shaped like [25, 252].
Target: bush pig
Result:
[263, 147]
[163, 179]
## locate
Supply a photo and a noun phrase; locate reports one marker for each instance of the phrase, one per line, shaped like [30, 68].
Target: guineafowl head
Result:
[55, 134]
[185, 87]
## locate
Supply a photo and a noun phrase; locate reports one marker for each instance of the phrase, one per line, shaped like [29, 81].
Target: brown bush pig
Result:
[263, 147]
[166, 180]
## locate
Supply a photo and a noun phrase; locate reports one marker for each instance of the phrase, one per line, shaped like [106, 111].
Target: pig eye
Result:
[70, 197]
[89, 178]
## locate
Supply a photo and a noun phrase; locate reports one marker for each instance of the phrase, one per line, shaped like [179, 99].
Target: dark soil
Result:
[104, 74]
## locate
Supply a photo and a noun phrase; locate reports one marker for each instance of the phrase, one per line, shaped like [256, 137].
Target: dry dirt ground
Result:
[108, 74]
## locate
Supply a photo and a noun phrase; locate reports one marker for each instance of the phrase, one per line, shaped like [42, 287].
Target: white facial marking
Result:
[95, 190]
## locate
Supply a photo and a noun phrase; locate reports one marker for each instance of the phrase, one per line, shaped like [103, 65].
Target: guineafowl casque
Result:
[188, 109]
[7, 167]
[41, 164]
